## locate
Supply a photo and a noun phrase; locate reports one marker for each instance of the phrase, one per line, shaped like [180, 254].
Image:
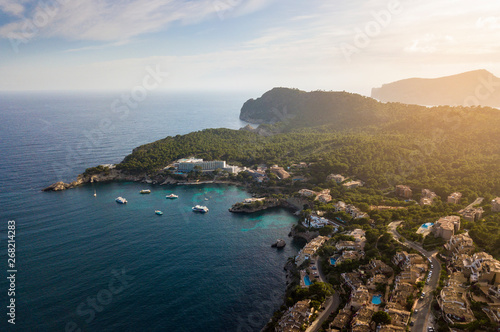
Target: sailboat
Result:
[95, 194]
[92, 181]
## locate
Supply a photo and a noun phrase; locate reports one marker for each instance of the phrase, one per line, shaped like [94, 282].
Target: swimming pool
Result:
[333, 261]
[427, 225]
[307, 281]
[377, 299]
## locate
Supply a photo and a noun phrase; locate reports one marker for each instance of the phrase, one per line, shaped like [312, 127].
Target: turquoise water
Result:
[307, 281]
[218, 267]
[427, 225]
[377, 299]
[332, 261]
[182, 271]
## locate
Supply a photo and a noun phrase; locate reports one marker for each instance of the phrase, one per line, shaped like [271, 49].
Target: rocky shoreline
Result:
[259, 205]
[308, 235]
[116, 175]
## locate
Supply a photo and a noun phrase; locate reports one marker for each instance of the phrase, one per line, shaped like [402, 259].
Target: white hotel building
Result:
[188, 165]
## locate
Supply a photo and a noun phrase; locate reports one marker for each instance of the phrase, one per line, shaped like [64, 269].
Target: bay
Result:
[177, 272]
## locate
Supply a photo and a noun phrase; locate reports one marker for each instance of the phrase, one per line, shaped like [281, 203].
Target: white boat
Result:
[171, 196]
[199, 208]
[121, 200]
[145, 191]
[158, 212]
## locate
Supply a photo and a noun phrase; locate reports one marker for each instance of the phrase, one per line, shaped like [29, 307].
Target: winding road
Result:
[423, 307]
[331, 303]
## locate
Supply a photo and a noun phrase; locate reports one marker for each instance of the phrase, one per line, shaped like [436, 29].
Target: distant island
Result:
[473, 88]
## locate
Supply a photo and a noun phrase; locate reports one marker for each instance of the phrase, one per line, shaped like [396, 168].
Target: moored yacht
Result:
[145, 191]
[171, 196]
[121, 200]
[199, 208]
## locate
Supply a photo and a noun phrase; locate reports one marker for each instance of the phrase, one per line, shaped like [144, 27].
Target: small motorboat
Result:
[145, 191]
[199, 208]
[121, 200]
[171, 196]
[158, 212]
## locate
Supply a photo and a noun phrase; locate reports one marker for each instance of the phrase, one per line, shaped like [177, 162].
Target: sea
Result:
[85, 263]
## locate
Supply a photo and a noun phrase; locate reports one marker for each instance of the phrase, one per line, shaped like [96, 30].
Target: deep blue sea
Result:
[86, 263]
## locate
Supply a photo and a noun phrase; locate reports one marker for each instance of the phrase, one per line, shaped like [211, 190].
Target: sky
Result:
[244, 45]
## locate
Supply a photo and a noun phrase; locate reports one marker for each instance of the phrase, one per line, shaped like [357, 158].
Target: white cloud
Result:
[429, 43]
[490, 23]
[111, 21]
[12, 7]
[299, 48]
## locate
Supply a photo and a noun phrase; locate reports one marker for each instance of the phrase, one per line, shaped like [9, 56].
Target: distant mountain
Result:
[473, 88]
[299, 109]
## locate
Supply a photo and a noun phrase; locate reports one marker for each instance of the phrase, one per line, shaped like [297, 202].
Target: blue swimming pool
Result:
[333, 261]
[307, 281]
[377, 299]
[427, 225]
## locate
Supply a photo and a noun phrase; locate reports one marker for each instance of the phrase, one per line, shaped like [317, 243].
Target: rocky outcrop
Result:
[111, 175]
[290, 269]
[59, 186]
[257, 205]
[117, 175]
[262, 130]
[307, 235]
[280, 243]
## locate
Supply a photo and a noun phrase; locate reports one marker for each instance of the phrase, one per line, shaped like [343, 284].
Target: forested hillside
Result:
[445, 148]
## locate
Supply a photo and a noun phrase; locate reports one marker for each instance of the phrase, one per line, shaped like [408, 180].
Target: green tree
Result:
[381, 317]
[315, 304]
[327, 230]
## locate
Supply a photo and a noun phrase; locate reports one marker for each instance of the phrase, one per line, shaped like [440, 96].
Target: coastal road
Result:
[331, 303]
[423, 306]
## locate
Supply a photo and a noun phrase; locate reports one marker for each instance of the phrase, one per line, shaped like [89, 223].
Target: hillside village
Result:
[455, 284]
[393, 260]
[462, 282]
